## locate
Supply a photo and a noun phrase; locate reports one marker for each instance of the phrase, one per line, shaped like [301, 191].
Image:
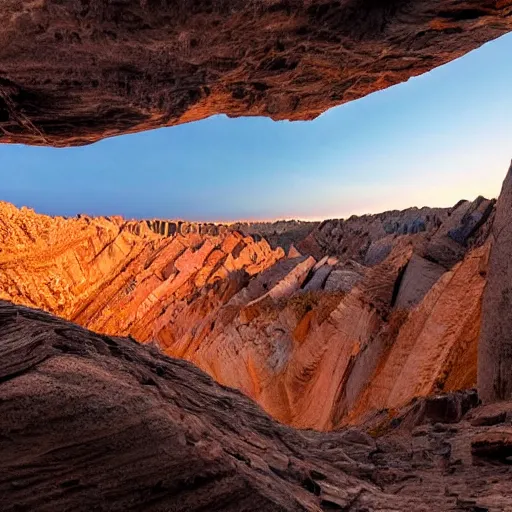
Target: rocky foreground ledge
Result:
[92, 422]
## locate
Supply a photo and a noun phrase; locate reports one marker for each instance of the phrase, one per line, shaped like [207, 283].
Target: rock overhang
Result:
[74, 72]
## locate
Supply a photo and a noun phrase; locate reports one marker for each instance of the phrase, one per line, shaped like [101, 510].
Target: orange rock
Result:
[316, 343]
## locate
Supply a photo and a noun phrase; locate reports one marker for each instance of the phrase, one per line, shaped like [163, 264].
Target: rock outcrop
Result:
[73, 72]
[92, 422]
[282, 233]
[369, 238]
[317, 342]
[180, 227]
[495, 348]
[436, 347]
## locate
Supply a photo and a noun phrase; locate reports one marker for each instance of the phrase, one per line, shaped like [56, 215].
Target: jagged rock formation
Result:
[368, 239]
[73, 72]
[282, 233]
[66, 265]
[171, 228]
[91, 422]
[317, 342]
[495, 348]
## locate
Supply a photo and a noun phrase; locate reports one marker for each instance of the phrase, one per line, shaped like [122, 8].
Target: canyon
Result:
[291, 366]
[357, 316]
[366, 335]
[75, 71]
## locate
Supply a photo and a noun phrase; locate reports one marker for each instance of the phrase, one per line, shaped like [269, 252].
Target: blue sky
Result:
[431, 141]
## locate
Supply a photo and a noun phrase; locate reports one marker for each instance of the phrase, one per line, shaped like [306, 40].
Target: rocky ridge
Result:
[73, 72]
[170, 228]
[282, 233]
[284, 329]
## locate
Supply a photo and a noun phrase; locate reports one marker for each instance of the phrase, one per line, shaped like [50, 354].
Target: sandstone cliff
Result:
[390, 313]
[73, 72]
[92, 422]
[495, 348]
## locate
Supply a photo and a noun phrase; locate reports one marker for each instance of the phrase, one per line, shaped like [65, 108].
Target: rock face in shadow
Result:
[96, 423]
[282, 233]
[495, 348]
[318, 343]
[73, 72]
[92, 422]
[369, 239]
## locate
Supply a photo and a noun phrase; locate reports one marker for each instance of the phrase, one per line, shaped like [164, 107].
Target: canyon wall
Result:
[180, 227]
[282, 233]
[495, 348]
[384, 308]
[73, 72]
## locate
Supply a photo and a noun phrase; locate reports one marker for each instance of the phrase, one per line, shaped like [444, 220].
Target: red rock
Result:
[93, 422]
[293, 252]
[430, 351]
[495, 347]
[248, 316]
[495, 443]
[67, 78]
[492, 414]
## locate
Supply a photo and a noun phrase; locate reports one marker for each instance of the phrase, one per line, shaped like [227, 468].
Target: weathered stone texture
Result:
[75, 71]
[92, 422]
[495, 347]
[316, 343]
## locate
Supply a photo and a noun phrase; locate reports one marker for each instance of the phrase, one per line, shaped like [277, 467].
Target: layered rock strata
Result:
[495, 348]
[317, 342]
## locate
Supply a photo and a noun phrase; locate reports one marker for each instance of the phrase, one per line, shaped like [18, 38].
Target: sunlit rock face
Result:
[73, 72]
[391, 311]
[93, 422]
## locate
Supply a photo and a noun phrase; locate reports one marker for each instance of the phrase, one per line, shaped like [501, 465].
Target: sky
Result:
[438, 138]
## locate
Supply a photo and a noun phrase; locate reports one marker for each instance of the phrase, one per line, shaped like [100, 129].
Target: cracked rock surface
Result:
[92, 422]
[75, 71]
